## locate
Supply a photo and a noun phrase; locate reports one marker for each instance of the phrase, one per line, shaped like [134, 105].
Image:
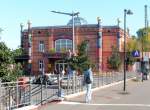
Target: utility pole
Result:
[73, 26]
[146, 20]
[144, 34]
[126, 12]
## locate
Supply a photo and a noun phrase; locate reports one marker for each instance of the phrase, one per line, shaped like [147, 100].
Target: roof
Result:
[66, 26]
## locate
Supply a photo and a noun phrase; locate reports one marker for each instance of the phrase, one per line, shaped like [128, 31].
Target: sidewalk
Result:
[110, 98]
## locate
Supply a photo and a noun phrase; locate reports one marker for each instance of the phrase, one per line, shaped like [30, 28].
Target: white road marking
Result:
[129, 105]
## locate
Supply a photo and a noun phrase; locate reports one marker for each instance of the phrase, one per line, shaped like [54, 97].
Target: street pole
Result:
[125, 13]
[73, 26]
[124, 86]
[73, 42]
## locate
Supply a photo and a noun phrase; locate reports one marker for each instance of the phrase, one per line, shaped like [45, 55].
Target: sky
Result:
[14, 12]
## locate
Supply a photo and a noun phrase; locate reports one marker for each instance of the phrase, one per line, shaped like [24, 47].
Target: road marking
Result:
[129, 105]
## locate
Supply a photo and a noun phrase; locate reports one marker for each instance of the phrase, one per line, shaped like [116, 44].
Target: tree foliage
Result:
[132, 45]
[9, 70]
[114, 60]
[81, 61]
[143, 37]
[141, 43]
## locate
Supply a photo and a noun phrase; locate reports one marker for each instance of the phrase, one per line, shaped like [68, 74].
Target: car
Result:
[52, 79]
[46, 78]
[68, 82]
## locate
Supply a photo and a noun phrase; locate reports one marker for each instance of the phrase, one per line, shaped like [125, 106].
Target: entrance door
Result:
[60, 66]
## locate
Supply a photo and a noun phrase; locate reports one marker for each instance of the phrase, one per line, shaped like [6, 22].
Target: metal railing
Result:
[14, 94]
[75, 85]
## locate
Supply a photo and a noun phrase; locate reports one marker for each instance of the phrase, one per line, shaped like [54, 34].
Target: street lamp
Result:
[73, 37]
[126, 12]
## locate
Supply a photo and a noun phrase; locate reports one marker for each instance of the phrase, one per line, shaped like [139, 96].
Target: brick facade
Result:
[111, 36]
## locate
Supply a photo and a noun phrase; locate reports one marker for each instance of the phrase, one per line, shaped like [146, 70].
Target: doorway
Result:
[60, 66]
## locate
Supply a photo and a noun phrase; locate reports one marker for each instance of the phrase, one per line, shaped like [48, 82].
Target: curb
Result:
[55, 101]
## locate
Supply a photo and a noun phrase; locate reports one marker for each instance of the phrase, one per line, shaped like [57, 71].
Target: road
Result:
[112, 98]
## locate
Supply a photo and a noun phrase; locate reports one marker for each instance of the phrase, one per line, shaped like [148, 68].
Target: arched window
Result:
[63, 45]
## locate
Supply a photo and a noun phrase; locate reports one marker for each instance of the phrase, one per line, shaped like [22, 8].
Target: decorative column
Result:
[99, 45]
[29, 47]
[30, 57]
[21, 36]
[118, 33]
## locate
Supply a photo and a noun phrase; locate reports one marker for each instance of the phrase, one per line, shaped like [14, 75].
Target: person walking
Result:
[88, 79]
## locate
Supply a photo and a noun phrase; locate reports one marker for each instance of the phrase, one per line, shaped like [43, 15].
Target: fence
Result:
[14, 94]
[75, 84]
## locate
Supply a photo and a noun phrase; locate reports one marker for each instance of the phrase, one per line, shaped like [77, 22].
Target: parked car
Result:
[68, 82]
[46, 78]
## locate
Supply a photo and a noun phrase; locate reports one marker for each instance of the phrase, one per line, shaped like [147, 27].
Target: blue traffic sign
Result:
[136, 53]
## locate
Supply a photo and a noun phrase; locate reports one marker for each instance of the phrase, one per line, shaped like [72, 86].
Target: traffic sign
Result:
[136, 53]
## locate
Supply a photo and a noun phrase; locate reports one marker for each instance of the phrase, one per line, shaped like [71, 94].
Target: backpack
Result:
[87, 79]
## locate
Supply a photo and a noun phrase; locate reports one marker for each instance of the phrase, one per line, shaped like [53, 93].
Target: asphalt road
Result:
[112, 98]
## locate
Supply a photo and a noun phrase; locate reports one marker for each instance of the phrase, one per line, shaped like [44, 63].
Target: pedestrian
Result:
[56, 72]
[88, 79]
[69, 72]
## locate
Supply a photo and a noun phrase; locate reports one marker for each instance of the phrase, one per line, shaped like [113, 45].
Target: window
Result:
[63, 45]
[41, 46]
[41, 65]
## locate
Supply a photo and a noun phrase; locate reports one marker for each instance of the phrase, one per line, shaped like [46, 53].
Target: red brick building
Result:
[46, 45]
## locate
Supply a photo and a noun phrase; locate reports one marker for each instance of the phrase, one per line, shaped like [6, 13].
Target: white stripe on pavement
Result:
[131, 105]
[27, 107]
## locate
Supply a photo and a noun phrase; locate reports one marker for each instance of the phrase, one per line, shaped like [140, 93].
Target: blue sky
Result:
[14, 12]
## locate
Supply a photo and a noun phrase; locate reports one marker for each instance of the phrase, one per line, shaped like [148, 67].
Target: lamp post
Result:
[73, 36]
[126, 12]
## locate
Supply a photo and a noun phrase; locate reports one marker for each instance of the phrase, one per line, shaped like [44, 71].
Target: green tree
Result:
[132, 45]
[5, 60]
[9, 70]
[143, 37]
[114, 60]
[81, 61]
[17, 52]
